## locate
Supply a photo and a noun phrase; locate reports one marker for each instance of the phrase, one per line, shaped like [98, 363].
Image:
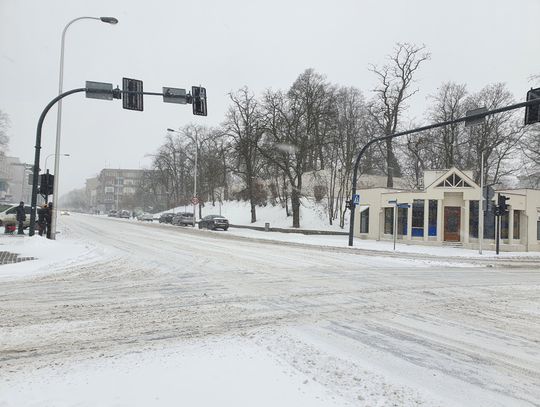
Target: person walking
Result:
[42, 219]
[48, 219]
[21, 217]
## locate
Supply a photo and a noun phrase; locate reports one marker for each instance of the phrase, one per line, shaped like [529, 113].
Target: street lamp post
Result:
[51, 155]
[108, 20]
[26, 167]
[194, 201]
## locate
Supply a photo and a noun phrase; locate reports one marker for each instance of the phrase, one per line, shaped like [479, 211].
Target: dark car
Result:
[183, 219]
[214, 222]
[113, 213]
[166, 218]
[124, 214]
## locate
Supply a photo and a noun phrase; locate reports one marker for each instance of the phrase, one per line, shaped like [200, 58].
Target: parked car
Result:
[166, 218]
[65, 213]
[214, 222]
[8, 214]
[146, 217]
[124, 214]
[113, 213]
[183, 219]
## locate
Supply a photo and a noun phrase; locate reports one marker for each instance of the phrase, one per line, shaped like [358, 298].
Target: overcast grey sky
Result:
[225, 45]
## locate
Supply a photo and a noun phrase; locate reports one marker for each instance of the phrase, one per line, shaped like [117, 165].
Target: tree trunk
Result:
[392, 165]
[253, 213]
[295, 203]
[252, 201]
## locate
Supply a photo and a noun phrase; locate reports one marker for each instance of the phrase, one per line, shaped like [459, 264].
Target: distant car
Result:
[113, 213]
[65, 213]
[214, 222]
[124, 214]
[8, 215]
[145, 217]
[166, 218]
[183, 219]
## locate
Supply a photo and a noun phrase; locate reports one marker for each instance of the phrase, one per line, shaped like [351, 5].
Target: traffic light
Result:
[198, 95]
[501, 204]
[132, 101]
[532, 113]
[46, 184]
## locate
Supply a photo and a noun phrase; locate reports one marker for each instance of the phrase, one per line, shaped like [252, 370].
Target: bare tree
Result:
[530, 147]
[350, 132]
[394, 89]
[498, 137]
[245, 128]
[440, 148]
[448, 142]
[292, 131]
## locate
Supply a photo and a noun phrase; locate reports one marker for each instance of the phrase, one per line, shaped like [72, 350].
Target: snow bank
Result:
[312, 214]
[48, 254]
[230, 372]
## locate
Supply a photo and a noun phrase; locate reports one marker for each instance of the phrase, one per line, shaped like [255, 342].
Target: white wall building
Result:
[446, 212]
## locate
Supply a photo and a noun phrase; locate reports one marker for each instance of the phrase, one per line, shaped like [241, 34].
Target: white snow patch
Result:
[231, 372]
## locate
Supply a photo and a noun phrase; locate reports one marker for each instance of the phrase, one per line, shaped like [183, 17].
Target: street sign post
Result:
[356, 199]
[396, 206]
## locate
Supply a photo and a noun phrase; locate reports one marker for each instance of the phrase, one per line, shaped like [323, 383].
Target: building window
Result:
[364, 221]
[538, 225]
[489, 221]
[432, 218]
[389, 221]
[504, 226]
[517, 221]
[402, 221]
[474, 214]
[418, 218]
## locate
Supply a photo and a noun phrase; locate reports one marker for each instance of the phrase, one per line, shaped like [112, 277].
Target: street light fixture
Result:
[51, 155]
[194, 200]
[108, 20]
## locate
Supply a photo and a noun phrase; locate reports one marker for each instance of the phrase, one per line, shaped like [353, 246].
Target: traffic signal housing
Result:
[46, 184]
[532, 113]
[502, 205]
[198, 95]
[132, 100]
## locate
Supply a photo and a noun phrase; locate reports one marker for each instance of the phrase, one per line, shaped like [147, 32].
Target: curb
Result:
[287, 230]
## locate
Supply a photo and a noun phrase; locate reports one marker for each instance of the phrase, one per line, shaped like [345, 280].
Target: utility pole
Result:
[481, 207]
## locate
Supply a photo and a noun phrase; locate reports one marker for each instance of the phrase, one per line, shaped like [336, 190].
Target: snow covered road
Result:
[361, 329]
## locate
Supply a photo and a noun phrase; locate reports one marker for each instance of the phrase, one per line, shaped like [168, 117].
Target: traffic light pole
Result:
[35, 177]
[471, 118]
[116, 94]
[497, 225]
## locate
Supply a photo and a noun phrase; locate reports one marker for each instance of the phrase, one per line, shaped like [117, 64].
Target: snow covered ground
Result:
[312, 215]
[123, 313]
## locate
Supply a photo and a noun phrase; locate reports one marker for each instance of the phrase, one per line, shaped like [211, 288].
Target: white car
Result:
[8, 214]
[64, 213]
[146, 217]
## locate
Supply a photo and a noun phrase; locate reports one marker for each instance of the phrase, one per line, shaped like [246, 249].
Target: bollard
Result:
[267, 227]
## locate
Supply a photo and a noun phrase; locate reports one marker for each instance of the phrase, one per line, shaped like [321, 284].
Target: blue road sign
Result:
[403, 205]
[356, 199]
